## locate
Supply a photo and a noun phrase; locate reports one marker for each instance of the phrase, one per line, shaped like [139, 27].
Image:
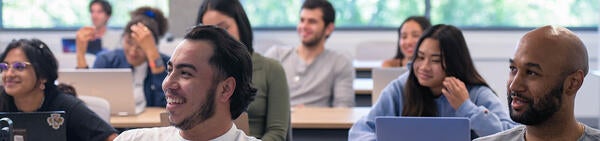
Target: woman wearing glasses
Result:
[29, 70]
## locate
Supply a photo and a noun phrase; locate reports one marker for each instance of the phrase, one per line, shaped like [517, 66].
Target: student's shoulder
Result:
[591, 134]
[514, 134]
[111, 54]
[337, 57]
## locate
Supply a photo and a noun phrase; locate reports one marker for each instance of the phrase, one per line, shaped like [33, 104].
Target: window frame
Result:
[427, 14]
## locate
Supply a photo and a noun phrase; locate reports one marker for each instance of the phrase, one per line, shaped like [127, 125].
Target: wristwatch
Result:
[158, 62]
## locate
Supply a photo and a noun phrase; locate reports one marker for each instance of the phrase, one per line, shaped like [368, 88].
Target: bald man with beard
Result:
[547, 70]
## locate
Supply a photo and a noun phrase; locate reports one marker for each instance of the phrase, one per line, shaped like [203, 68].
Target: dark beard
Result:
[205, 112]
[315, 41]
[537, 113]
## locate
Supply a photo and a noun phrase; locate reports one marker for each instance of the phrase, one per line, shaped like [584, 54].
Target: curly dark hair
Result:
[152, 18]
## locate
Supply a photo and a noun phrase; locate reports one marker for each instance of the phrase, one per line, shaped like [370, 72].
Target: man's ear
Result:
[226, 89]
[329, 29]
[573, 82]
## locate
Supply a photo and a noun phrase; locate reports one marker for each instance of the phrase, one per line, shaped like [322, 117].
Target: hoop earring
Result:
[42, 86]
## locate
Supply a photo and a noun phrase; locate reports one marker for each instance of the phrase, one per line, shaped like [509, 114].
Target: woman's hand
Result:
[455, 91]
[143, 36]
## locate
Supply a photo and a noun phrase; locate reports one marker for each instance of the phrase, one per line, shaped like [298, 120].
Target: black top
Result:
[82, 123]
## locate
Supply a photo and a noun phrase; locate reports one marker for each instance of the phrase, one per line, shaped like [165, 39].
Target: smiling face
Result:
[428, 64]
[409, 35]
[213, 17]
[535, 84]
[190, 85]
[312, 29]
[19, 83]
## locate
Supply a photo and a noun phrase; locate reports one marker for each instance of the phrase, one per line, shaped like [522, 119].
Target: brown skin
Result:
[311, 28]
[190, 78]
[543, 58]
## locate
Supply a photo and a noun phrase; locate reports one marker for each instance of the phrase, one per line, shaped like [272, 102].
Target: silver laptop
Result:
[422, 129]
[114, 85]
[382, 77]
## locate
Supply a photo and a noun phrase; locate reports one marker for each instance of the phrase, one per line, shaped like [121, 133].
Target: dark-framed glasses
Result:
[19, 66]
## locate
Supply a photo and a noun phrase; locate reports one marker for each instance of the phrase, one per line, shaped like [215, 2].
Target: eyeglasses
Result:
[20, 66]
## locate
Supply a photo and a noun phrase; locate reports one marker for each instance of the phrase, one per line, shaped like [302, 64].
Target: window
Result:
[66, 14]
[69, 14]
[462, 13]
[516, 13]
[349, 13]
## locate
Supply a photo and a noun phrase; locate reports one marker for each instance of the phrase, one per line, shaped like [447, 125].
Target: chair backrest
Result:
[242, 123]
[375, 50]
[98, 105]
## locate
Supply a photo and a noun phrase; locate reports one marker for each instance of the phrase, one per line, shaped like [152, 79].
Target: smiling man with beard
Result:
[316, 76]
[208, 86]
[547, 70]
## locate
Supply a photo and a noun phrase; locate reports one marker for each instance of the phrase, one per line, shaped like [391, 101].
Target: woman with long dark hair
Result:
[442, 82]
[408, 34]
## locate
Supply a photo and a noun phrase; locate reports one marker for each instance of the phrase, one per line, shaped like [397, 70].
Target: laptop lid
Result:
[422, 128]
[114, 85]
[382, 77]
[35, 126]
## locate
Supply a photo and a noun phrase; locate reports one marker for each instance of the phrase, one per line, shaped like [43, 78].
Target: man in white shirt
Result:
[316, 76]
[208, 86]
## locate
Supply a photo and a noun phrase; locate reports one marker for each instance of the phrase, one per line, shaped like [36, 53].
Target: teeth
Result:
[175, 100]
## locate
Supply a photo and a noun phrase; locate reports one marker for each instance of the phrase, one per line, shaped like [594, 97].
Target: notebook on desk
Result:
[34, 126]
[422, 128]
[114, 85]
[382, 77]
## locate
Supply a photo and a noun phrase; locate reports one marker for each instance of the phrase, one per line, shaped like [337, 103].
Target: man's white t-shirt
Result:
[171, 133]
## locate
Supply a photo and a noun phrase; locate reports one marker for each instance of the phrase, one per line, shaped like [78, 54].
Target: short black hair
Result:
[326, 8]
[230, 59]
[105, 6]
[233, 9]
[41, 58]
